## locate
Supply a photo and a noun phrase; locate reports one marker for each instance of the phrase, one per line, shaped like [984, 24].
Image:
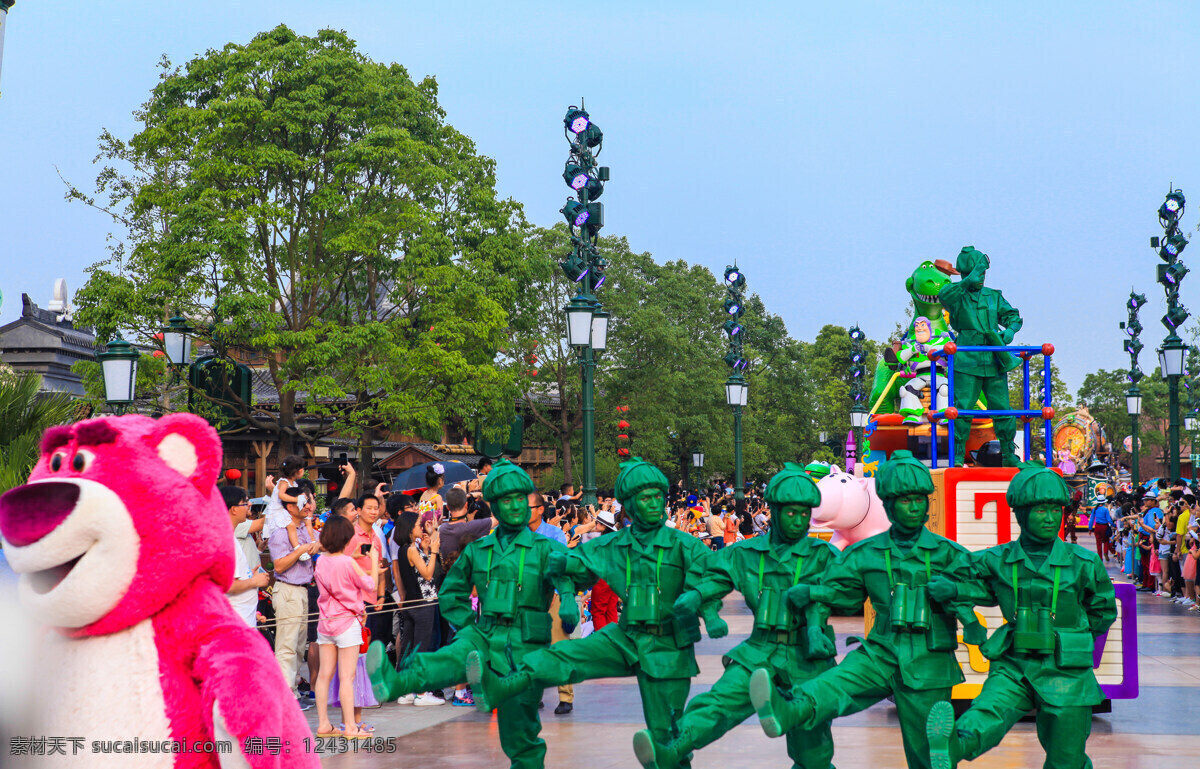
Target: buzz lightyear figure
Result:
[914, 354]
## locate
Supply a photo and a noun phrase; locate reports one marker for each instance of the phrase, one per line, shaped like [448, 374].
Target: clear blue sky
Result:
[829, 148]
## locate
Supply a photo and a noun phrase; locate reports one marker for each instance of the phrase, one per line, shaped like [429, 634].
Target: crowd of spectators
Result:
[1153, 536]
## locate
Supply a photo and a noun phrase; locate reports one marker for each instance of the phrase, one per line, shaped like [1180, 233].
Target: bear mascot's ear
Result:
[190, 447]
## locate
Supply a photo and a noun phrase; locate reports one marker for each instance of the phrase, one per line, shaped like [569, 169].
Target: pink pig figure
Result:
[850, 507]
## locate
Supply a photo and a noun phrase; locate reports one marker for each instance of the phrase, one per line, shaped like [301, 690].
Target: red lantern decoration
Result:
[622, 425]
[623, 437]
[622, 452]
[233, 475]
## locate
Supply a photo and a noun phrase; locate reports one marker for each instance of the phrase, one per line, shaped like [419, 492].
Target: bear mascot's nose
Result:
[30, 512]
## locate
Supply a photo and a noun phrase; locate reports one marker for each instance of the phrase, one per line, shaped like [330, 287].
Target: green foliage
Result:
[24, 415]
[311, 208]
[1103, 392]
[664, 361]
[1059, 394]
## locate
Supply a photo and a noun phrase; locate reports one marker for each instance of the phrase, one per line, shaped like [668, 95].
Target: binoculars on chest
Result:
[772, 613]
[910, 609]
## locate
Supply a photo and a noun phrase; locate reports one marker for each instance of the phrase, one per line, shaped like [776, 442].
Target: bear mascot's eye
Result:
[82, 460]
[56, 461]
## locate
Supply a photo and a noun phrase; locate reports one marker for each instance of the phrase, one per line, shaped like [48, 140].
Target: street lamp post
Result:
[736, 393]
[1170, 275]
[1171, 357]
[736, 389]
[858, 411]
[587, 321]
[4, 6]
[1133, 397]
[118, 366]
[177, 342]
[698, 465]
[1133, 406]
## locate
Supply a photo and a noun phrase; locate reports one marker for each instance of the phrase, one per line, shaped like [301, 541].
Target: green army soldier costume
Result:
[1056, 599]
[909, 652]
[648, 565]
[977, 314]
[794, 646]
[508, 571]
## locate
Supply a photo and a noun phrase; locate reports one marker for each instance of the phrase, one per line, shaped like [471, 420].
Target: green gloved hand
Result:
[819, 645]
[799, 596]
[568, 613]
[688, 602]
[942, 590]
[716, 627]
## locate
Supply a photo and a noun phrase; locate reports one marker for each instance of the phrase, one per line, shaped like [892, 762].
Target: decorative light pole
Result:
[697, 465]
[587, 322]
[118, 366]
[858, 392]
[1191, 418]
[736, 389]
[4, 6]
[1133, 396]
[1170, 275]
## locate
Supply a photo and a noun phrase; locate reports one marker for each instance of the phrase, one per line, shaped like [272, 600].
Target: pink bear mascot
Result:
[125, 550]
[850, 507]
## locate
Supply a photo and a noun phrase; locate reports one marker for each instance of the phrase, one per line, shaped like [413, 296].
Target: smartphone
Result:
[364, 548]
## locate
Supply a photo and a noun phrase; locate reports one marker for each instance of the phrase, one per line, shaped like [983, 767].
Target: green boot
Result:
[653, 755]
[776, 715]
[489, 689]
[944, 748]
[387, 683]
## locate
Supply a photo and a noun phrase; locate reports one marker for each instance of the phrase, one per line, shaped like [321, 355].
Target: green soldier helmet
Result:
[636, 475]
[1034, 485]
[792, 486]
[902, 474]
[970, 259]
[504, 479]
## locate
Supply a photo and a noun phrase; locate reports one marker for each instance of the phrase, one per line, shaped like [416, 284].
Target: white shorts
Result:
[352, 636]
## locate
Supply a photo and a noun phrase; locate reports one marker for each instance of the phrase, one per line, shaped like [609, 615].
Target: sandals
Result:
[341, 732]
[363, 726]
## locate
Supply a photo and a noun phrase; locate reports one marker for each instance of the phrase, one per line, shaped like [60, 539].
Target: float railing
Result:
[949, 413]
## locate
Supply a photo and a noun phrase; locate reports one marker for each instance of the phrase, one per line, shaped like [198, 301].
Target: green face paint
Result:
[512, 510]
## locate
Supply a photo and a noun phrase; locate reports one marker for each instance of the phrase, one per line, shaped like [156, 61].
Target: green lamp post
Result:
[1133, 396]
[118, 365]
[4, 6]
[736, 389]
[858, 393]
[1133, 405]
[1170, 275]
[697, 466]
[587, 321]
[177, 342]
[736, 394]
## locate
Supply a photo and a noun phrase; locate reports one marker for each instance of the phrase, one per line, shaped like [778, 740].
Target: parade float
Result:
[968, 504]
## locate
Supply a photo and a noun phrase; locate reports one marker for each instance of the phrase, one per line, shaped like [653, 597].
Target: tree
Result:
[310, 209]
[25, 414]
[1103, 392]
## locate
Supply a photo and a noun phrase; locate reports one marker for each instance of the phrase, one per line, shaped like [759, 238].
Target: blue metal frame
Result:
[936, 414]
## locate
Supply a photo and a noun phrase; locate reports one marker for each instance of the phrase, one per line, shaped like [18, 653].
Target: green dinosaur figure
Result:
[923, 287]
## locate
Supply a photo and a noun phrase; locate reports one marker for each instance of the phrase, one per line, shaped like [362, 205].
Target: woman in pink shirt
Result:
[344, 587]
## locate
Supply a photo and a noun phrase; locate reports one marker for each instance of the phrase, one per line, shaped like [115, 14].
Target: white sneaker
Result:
[428, 699]
[1188, 602]
[406, 699]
